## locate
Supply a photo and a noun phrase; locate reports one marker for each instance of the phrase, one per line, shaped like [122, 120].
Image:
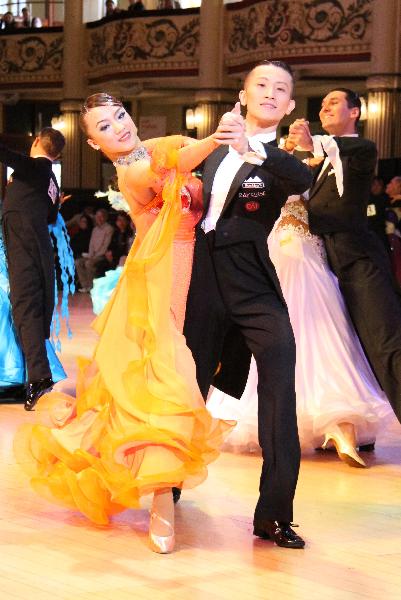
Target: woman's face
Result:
[111, 130]
[121, 223]
[83, 223]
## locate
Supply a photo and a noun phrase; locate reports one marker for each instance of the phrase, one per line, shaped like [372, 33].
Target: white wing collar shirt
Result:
[225, 174]
[326, 145]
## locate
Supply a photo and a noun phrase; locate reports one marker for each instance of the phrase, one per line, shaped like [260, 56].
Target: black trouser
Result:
[254, 306]
[369, 290]
[31, 274]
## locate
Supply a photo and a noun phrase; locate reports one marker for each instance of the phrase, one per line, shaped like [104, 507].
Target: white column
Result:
[81, 165]
[384, 83]
[212, 99]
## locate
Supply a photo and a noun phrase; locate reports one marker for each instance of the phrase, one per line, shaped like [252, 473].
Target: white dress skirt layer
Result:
[334, 381]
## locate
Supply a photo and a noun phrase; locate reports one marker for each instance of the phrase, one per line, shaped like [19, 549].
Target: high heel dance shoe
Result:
[345, 451]
[162, 544]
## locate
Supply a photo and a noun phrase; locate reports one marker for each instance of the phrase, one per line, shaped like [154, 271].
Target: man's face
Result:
[267, 94]
[393, 188]
[100, 218]
[377, 187]
[335, 115]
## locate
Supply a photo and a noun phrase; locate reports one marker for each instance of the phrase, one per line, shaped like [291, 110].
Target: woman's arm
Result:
[177, 152]
[192, 154]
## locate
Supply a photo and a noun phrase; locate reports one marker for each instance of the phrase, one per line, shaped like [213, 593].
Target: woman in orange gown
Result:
[138, 424]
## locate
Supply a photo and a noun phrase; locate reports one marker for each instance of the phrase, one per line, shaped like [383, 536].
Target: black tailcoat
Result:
[360, 261]
[31, 203]
[218, 344]
[235, 308]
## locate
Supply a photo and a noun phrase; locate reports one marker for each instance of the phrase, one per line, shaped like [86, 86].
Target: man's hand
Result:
[231, 130]
[299, 136]
[63, 197]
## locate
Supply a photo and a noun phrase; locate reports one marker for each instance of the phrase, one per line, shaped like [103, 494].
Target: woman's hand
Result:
[63, 197]
[231, 130]
[299, 136]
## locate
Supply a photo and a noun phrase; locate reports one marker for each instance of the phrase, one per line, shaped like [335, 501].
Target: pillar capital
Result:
[384, 81]
[71, 105]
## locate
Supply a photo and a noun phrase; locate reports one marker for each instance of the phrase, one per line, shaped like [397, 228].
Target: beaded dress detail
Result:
[137, 154]
[294, 219]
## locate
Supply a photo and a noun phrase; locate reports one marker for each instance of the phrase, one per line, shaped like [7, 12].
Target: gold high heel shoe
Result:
[162, 544]
[345, 451]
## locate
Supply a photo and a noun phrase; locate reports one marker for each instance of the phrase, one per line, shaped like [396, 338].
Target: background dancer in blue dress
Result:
[12, 364]
[31, 203]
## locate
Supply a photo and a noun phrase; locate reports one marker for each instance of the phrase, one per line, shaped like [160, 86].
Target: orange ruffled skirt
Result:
[138, 422]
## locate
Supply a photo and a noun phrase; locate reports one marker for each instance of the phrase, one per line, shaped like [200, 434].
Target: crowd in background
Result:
[100, 241]
[9, 21]
[136, 6]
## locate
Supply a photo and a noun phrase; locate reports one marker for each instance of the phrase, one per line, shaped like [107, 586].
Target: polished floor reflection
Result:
[350, 518]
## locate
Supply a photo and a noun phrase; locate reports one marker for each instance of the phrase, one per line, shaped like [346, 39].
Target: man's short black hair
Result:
[52, 141]
[275, 63]
[352, 98]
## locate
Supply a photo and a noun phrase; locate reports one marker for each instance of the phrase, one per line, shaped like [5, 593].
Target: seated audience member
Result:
[135, 7]
[73, 223]
[26, 20]
[119, 246]
[99, 242]
[377, 209]
[393, 224]
[8, 21]
[80, 240]
[111, 9]
[168, 4]
[37, 22]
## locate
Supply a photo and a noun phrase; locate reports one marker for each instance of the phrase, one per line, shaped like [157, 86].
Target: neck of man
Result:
[343, 130]
[41, 154]
[395, 198]
[255, 126]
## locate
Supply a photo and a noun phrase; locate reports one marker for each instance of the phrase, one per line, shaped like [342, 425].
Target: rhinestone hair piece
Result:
[108, 102]
[137, 154]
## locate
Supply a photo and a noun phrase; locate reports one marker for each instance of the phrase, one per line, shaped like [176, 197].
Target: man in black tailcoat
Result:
[235, 305]
[31, 203]
[337, 206]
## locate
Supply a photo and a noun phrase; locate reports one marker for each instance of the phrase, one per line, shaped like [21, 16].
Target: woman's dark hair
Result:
[100, 99]
[88, 220]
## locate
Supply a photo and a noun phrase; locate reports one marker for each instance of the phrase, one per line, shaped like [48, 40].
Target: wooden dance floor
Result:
[350, 518]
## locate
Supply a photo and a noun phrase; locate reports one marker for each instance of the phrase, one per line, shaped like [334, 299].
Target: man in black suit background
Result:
[337, 209]
[31, 202]
[235, 305]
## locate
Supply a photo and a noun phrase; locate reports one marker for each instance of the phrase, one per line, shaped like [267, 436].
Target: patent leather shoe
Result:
[13, 394]
[35, 390]
[278, 532]
[367, 447]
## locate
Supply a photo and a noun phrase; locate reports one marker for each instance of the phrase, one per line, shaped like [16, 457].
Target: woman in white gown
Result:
[339, 401]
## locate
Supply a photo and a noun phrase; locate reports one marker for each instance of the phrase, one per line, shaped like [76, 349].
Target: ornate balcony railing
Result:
[31, 59]
[165, 44]
[298, 31]
[155, 45]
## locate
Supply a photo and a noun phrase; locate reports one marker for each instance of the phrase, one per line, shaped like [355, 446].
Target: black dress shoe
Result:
[278, 532]
[13, 394]
[35, 390]
[367, 447]
[176, 495]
